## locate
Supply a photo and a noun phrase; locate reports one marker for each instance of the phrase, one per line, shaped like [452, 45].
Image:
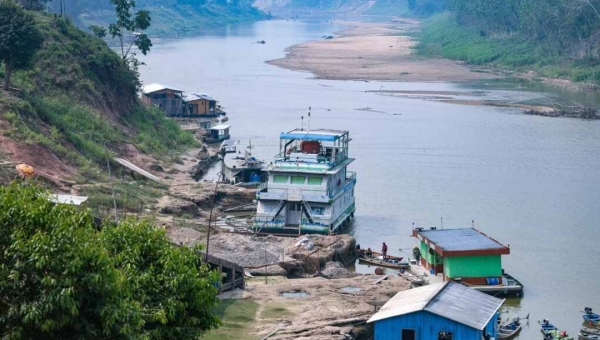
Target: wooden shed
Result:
[167, 98]
[441, 311]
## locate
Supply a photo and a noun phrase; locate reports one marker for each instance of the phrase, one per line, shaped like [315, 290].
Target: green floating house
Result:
[467, 256]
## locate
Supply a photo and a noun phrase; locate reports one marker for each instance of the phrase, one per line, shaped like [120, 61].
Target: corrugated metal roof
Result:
[460, 239]
[68, 199]
[450, 300]
[158, 87]
[188, 97]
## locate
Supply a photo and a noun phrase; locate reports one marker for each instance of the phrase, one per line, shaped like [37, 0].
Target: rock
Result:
[334, 270]
[274, 270]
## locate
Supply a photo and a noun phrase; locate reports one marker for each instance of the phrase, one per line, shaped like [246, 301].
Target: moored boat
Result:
[583, 336]
[589, 331]
[511, 329]
[551, 332]
[377, 259]
[590, 317]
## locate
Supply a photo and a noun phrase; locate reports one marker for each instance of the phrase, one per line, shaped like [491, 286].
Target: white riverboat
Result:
[308, 188]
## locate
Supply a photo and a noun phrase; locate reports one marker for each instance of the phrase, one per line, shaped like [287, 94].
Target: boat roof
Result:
[316, 135]
[190, 97]
[158, 87]
[449, 300]
[220, 127]
[467, 241]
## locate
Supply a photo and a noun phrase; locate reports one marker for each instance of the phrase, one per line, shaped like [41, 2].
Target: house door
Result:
[408, 334]
[293, 214]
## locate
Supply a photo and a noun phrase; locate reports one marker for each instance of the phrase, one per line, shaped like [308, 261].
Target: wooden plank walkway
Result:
[137, 169]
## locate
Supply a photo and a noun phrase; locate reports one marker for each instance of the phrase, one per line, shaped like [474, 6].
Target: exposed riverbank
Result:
[374, 51]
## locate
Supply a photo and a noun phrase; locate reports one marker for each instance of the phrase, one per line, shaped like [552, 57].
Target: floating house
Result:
[199, 105]
[441, 311]
[218, 133]
[167, 98]
[309, 189]
[467, 256]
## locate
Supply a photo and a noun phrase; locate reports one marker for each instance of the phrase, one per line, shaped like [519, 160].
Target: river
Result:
[531, 182]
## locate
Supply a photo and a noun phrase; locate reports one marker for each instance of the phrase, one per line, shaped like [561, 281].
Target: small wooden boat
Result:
[551, 332]
[588, 337]
[589, 331]
[590, 317]
[511, 329]
[377, 259]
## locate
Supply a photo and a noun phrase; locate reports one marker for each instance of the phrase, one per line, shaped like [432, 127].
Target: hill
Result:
[169, 16]
[77, 109]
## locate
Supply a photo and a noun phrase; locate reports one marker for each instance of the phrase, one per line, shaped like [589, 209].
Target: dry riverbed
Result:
[374, 51]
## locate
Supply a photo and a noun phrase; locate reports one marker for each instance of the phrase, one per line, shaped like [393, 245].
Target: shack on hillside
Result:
[441, 311]
[167, 98]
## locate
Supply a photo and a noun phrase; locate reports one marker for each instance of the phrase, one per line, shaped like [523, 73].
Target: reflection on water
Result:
[531, 182]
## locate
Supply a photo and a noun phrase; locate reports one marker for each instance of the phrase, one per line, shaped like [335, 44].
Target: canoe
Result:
[376, 259]
[551, 332]
[588, 337]
[589, 331]
[509, 331]
[547, 327]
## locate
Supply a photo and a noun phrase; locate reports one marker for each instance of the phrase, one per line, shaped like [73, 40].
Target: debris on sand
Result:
[334, 270]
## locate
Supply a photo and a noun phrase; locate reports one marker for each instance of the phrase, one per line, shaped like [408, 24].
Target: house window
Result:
[298, 180]
[444, 335]
[408, 334]
[280, 179]
[315, 180]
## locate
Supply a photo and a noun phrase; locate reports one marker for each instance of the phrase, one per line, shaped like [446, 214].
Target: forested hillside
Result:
[75, 107]
[558, 38]
[168, 16]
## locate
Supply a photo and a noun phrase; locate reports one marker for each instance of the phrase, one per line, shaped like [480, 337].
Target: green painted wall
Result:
[428, 257]
[473, 266]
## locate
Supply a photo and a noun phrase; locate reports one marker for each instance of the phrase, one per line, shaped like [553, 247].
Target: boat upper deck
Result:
[320, 150]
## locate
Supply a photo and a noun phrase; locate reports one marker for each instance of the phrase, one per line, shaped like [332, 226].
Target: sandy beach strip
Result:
[373, 51]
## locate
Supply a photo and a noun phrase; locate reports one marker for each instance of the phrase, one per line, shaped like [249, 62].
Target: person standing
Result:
[384, 250]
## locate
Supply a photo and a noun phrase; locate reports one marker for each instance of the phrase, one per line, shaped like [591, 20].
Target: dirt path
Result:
[374, 51]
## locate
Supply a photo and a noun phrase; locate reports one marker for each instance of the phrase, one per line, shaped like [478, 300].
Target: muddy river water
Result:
[531, 182]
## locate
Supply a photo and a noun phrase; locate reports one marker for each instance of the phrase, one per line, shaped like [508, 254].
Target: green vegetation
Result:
[62, 277]
[238, 317]
[19, 40]
[274, 311]
[80, 99]
[443, 36]
[168, 16]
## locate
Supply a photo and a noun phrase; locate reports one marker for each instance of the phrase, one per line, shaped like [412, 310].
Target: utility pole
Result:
[212, 205]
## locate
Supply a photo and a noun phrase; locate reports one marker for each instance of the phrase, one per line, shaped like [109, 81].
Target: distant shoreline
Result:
[373, 52]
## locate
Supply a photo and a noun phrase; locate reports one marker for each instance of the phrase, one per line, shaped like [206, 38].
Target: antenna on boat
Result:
[302, 118]
[442, 222]
[473, 223]
[308, 127]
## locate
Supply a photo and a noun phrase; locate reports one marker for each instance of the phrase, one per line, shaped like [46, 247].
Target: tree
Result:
[33, 4]
[130, 26]
[62, 277]
[98, 31]
[19, 40]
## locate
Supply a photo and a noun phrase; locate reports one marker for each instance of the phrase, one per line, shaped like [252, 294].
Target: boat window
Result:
[298, 180]
[280, 179]
[444, 335]
[317, 210]
[315, 180]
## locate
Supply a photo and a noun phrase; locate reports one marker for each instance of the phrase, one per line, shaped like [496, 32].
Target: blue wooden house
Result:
[441, 311]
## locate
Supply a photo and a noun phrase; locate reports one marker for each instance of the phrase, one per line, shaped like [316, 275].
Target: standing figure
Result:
[384, 250]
